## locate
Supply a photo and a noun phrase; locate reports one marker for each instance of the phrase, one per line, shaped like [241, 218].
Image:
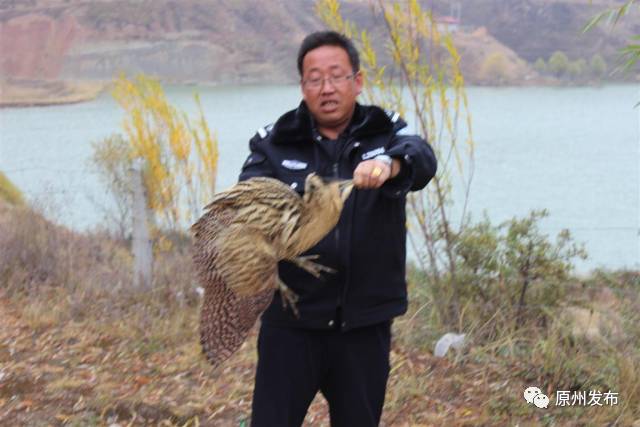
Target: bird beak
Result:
[345, 188]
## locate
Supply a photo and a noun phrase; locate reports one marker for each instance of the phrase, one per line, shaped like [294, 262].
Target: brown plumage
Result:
[245, 231]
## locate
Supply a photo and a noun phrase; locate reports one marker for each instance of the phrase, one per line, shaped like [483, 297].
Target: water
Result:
[573, 151]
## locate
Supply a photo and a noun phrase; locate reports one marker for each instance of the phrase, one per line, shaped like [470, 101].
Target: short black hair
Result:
[328, 38]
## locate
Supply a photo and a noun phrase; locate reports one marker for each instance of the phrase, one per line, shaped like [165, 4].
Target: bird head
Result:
[322, 204]
[318, 190]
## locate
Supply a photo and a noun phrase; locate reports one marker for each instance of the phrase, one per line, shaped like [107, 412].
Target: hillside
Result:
[220, 41]
[226, 41]
[81, 346]
[536, 28]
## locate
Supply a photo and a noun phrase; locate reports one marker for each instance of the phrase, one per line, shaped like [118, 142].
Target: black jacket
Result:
[368, 246]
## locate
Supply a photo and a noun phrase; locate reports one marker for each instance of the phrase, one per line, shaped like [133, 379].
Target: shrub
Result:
[508, 276]
[598, 66]
[540, 66]
[558, 64]
[38, 253]
[112, 159]
[577, 69]
[494, 68]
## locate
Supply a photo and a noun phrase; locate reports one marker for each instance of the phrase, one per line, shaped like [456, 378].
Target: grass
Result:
[79, 347]
[8, 192]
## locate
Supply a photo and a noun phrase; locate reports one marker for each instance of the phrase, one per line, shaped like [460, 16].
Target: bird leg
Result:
[289, 298]
[313, 268]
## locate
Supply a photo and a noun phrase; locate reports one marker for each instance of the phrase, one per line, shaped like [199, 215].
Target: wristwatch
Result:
[384, 159]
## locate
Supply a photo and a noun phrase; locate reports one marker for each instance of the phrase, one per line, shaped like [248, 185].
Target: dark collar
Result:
[296, 126]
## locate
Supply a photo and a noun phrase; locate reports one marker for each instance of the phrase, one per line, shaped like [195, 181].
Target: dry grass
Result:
[78, 347]
[141, 367]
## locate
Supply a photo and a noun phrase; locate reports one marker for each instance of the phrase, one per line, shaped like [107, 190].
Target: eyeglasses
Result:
[317, 82]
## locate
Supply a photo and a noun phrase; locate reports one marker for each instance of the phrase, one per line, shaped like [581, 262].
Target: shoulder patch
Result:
[295, 165]
[393, 115]
[264, 131]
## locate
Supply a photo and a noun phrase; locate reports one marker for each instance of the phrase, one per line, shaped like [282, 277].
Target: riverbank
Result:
[38, 93]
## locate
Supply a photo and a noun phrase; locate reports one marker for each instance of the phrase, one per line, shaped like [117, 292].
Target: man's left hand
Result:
[373, 173]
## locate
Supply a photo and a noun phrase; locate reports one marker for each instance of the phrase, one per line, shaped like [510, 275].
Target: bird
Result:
[239, 240]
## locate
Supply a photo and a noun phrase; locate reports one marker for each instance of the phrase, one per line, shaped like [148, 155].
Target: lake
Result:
[573, 151]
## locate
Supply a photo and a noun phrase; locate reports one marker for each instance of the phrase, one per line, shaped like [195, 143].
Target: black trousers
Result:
[349, 368]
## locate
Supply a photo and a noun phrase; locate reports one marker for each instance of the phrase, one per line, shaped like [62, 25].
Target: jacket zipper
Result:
[347, 272]
[336, 175]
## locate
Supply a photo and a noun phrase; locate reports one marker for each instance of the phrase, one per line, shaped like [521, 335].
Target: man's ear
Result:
[359, 81]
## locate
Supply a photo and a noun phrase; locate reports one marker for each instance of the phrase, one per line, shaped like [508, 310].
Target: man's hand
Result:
[373, 173]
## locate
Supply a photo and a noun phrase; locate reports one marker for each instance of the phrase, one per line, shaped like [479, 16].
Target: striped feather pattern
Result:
[238, 242]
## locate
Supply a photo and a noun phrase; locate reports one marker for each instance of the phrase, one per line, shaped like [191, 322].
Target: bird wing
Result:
[268, 191]
[247, 260]
[235, 255]
[263, 202]
[226, 319]
[239, 275]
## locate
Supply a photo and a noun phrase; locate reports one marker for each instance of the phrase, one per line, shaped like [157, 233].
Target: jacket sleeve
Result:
[257, 163]
[418, 161]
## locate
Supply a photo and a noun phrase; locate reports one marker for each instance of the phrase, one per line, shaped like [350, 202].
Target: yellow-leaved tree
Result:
[416, 72]
[179, 155]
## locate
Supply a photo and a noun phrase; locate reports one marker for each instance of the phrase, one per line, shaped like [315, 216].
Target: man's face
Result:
[329, 87]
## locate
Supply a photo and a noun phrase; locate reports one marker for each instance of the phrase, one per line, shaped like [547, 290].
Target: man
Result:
[340, 342]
